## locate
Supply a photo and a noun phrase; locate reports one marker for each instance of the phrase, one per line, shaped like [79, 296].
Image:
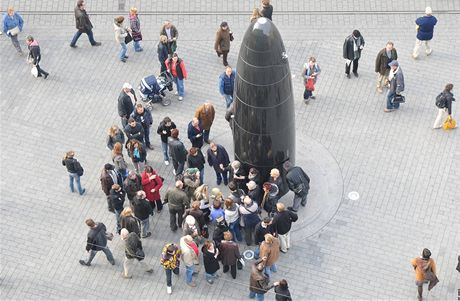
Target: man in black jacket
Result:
[299, 182]
[97, 241]
[218, 158]
[133, 250]
[34, 54]
[144, 118]
[83, 24]
[262, 228]
[352, 48]
[132, 184]
[177, 152]
[142, 211]
[177, 201]
[281, 225]
[164, 130]
[134, 130]
[126, 101]
[75, 171]
[117, 200]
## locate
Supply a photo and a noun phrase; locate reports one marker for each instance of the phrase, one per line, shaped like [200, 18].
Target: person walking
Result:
[177, 201]
[142, 211]
[177, 152]
[270, 252]
[137, 153]
[164, 130]
[210, 261]
[310, 73]
[425, 27]
[133, 250]
[35, 56]
[119, 161]
[281, 225]
[299, 183]
[75, 171]
[195, 132]
[205, 114]
[152, 183]
[352, 48]
[425, 271]
[190, 253]
[126, 101]
[171, 33]
[170, 261]
[12, 26]
[232, 218]
[132, 184]
[83, 25]
[114, 135]
[266, 10]
[129, 221]
[227, 85]
[222, 44]
[109, 176]
[249, 212]
[230, 254]
[97, 241]
[396, 79]
[176, 67]
[121, 34]
[259, 282]
[144, 118]
[262, 228]
[162, 50]
[117, 200]
[444, 106]
[135, 26]
[282, 292]
[384, 57]
[196, 159]
[218, 158]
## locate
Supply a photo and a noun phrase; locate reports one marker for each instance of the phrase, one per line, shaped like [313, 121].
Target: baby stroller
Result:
[152, 89]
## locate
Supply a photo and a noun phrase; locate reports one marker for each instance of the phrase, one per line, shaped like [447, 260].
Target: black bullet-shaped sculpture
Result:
[264, 118]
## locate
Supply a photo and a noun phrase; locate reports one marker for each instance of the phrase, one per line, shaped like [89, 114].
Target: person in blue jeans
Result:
[75, 171]
[232, 218]
[226, 85]
[12, 26]
[164, 130]
[270, 253]
[396, 78]
[259, 282]
[121, 32]
[176, 67]
[83, 24]
[189, 250]
[135, 26]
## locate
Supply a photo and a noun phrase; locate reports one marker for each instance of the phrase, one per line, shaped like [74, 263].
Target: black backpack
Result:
[441, 100]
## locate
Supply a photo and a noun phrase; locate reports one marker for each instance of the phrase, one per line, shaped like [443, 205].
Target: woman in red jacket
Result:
[151, 184]
[176, 67]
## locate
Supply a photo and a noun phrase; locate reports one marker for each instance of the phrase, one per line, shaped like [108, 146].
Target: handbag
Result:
[128, 38]
[231, 36]
[34, 71]
[14, 31]
[310, 85]
[449, 124]
[398, 98]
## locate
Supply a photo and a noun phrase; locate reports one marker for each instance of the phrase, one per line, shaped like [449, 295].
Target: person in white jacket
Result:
[121, 32]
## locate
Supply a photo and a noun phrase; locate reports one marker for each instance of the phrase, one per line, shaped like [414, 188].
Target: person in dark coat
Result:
[262, 228]
[299, 182]
[129, 221]
[270, 197]
[222, 44]
[259, 282]
[144, 118]
[75, 171]
[219, 230]
[196, 159]
[281, 225]
[117, 200]
[83, 25]
[282, 292]
[177, 152]
[132, 184]
[162, 51]
[384, 57]
[254, 192]
[396, 79]
[230, 254]
[109, 176]
[171, 33]
[218, 158]
[133, 250]
[266, 10]
[352, 48]
[238, 175]
[97, 241]
[275, 178]
[227, 85]
[114, 135]
[210, 261]
[425, 28]
[142, 211]
[446, 109]
[35, 56]
[135, 130]
[177, 201]
[164, 130]
[195, 133]
[126, 101]
[137, 153]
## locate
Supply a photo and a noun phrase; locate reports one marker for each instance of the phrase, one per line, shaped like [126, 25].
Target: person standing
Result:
[164, 130]
[176, 67]
[230, 254]
[196, 159]
[114, 135]
[119, 161]
[109, 176]
[205, 114]
[299, 182]
[396, 79]
[232, 218]
[135, 131]
[133, 250]
[152, 183]
[270, 197]
[222, 44]
[195, 132]
[281, 225]
[121, 32]
[12, 26]
[425, 271]
[226, 85]
[352, 48]
[282, 292]
[132, 184]
[142, 211]
[191, 181]
[276, 179]
[249, 212]
[75, 171]
[210, 261]
[177, 201]
[97, 241]
[117, 200]
[170, 260]
[137, 153]
[35, 56]
[384, 57]
[238, 175]
[266, 10]
[129, 221]
[83, 25]
[425, 27]
[262, 228]
[218, 158]
[445, 106]
[270, 253]
[171, 33]
[189, 251]
[162, 50]
[310, 73]
[126, 101]
[254, 192]
[259, 282]
[135, 26]
[177, 152]
[144, 118]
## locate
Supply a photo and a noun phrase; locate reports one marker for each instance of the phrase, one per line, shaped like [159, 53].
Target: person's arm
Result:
[377, 63]
[166, 197]
[345, 49]
[184, 72]
[395, 54]
[217, 42]
[160, 129]
[221, 85]
[20, 20]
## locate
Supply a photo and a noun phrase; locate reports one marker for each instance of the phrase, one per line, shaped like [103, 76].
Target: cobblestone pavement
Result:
[406, 173]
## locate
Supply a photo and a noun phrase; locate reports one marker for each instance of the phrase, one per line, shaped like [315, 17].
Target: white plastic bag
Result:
[34, 71]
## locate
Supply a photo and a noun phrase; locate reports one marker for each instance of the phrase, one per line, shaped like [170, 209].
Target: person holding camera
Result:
[75, 171]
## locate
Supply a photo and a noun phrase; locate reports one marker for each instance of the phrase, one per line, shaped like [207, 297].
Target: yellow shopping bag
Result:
[450, 123]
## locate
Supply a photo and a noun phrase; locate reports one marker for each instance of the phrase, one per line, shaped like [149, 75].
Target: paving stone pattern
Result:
[406, 173]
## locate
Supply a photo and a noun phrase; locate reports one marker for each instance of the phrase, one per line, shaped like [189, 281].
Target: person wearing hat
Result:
[425, 271]
[425, 27]
[133, 250]
[259, 282]
[170, 261]
[109, 176]
[190, 253]
[222, 44]
[396, 78]
[385, 56]
[35, 56]
[121, 32]
[249, 212]
[126, 101]
[352, 48]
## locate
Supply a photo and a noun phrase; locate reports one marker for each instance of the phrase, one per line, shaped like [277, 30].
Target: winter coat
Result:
[82, 22]
[10, 22]
[130, 223]
[121, 32]
[249, 214]
[120, 164]
[97, 239]
[132, 186]
[397, 82]
[211, 264]
[117, 199]
[271, 251]
[192, 133]
[255, 195]
[227, 83]
[222, 43]
[280, 184]
[232, 214]
[34, 52]
[196, 161]
[119, 137]
[107, 180]
[170, 261]
[125, 105]
[142, 154]
[267, 11]
[148, 185]
[448, 98]
[258, 281]
[425, 27]
[230, 252]
[206, 118]
[162, 51]
[189, 257]
[221, 157]
[260, 231]
[218, 234]
[237, 196]
[282, 294]
[193, 230]
[141, 208]
[307, 71]
[191, 183]
[144, 119]
[135, 25]
[177, 70]
[176, 198]
[283, 220]
[137, 132]
[173, 30]
[296, 176]
[240, 183]
[132, 245]
[162, 127]
[198, 215]
[71, 165]
[348, 48]
[177, 150]
[382, 61]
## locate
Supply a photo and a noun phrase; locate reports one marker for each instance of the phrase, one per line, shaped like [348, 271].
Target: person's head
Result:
[10, 11]
[216, 204]
[127, 87]
[170, 249]
[394, 65]
[287, 165]
[251, 185]
[192, 172]
[124, 234]
[213, 146]
[140, 194]
[274, 173]
[356, 33]
[70, 154]
[133, 11]
[179, 184]
[109, 166]
[312, 61]
[167, 24]
[449, 87]
[283, 284]
[236, 164]
[90, 223]
[190, 220]
[389, 46]
[228, 236]
[216, 193]
[148, 170]
[426, 254]
[174, 133]
[193, 151]
[428, 11]
[253, 171]
[132, 175]
[116, 187]
[232, 186]
[224, 25]
[132, 122]
[163, 39]
[188, 238]
[140, 108]
[280, 207]
[256, 13]
[269, 238]
[117, 149]
[167, 121]
[119, 20]
[29, 40]
[267, 220]
[208, 245]
[113, 130]
[195, 121]
[127, 211]
[267, 186]
[196, 205]
[81, 4]
[265, 2]
[260, 265]
[228, 203]
[175, 57]
[247, 201]
[228, 71]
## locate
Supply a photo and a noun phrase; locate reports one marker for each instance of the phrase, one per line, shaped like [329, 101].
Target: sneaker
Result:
[176, 93]
[191, 284]
[169, 290]
[210, 281]
[83, 191]
[73, 46]
[126, 56]
[180, 98]
[123, 60]
[97, 44]
[166, 163]
[388, 110]
[82, 262]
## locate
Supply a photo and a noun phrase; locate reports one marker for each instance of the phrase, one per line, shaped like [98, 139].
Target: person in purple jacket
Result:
[425, 27]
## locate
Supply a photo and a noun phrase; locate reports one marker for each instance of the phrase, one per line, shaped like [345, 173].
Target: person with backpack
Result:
[310, 73]
[75, 171]
[444, 104]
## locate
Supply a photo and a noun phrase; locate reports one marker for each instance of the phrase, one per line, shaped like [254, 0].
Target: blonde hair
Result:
[265, 2]
[201, 192]
[127, 212]
[280, 207]
[133, 11]
[312, 59]
[255, 14]
[10, 9]
[163, 39]
[112, 130]
[275, 172]
[195, 205]
[269, 238]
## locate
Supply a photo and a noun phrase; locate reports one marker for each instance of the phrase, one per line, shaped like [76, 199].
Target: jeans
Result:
[206, 135]
[147, 135]
[221, 175]
[169, 274]
[269, 269]
[123, 50]
[355, 66]
[79, 33]
[179, 86]
[228, 100]
[257, 252]
[259, 297]
[285, 241]
[224, 57]
[419, 43]
[390, 104]
[164, 147]
[188, 273]
[178, 167]
[106, 251]
[15, 42]
[139, 166]
[145, 226]
[124, 122]
[117, 217]
[73, 176]
[307, 94]
[248, 234]
[235, 230]
[232, 270]
[209, 276]
[172, 217]
[137, 45]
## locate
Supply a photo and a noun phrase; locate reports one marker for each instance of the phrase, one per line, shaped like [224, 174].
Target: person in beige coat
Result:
[189, 250]
[121, 32]
[270, 252]
[205, 113]
[223, 38]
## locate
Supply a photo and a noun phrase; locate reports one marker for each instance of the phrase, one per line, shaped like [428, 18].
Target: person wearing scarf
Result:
[189, 250]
